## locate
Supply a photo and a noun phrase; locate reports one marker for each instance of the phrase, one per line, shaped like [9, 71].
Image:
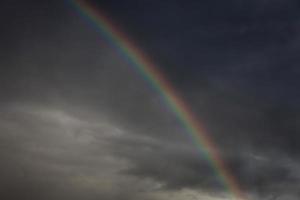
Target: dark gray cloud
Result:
[77, 122]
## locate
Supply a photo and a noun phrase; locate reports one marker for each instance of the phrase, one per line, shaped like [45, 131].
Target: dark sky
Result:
[77, 122]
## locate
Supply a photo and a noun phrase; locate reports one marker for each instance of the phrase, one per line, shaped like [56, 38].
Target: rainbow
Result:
[155, 78]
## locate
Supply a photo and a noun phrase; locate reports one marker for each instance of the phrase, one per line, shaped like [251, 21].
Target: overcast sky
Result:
[77, 122]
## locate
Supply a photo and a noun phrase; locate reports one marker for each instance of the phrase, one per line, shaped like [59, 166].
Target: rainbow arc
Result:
[139, 61]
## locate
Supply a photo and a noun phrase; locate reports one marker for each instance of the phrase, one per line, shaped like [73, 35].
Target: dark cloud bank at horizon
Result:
[77, 122]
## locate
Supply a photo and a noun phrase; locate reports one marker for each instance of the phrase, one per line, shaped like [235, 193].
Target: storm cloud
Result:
[78, 122]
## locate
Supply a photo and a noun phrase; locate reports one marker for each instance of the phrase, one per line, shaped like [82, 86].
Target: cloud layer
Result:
[77, 122]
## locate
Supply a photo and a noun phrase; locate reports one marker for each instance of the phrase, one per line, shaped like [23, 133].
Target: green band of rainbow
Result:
[149, 71]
